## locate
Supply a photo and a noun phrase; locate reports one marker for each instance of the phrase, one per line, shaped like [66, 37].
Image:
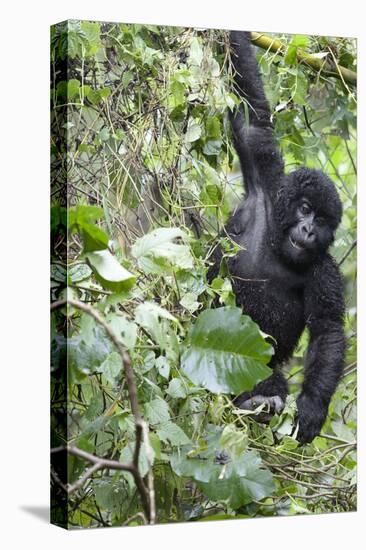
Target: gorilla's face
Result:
[308, 235]
[307, 213]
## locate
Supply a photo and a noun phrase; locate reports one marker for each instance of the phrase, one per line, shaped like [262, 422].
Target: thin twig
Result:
[343, 259]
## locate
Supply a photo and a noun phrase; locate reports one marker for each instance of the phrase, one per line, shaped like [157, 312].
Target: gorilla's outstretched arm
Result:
[260, 160]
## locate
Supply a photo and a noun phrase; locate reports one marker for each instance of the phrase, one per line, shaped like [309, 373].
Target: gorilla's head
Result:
[307, 212]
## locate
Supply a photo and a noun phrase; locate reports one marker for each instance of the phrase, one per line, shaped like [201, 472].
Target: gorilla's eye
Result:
[305, 208]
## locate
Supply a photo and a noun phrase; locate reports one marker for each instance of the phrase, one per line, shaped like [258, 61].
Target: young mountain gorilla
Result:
[284, 277]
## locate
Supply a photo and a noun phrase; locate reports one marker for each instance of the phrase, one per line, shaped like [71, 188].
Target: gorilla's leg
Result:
[272, 392]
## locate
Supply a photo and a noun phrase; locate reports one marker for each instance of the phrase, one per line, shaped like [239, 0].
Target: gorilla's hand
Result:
[271, 405]
[311, 416]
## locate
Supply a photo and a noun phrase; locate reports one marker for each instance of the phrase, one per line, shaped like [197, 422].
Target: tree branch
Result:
[347, 253]
[329, 68]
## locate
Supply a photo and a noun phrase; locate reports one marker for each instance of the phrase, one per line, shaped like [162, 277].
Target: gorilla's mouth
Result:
[296, 244]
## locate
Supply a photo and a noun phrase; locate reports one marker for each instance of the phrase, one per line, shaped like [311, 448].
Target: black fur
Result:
[284, 277]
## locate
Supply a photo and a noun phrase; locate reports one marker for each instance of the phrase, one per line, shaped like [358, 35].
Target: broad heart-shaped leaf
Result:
[236, 481]
[240, 482]
[225, 352]
[109, 272]
[157, 251]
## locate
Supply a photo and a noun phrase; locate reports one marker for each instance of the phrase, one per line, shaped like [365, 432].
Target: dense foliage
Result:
[141, 136]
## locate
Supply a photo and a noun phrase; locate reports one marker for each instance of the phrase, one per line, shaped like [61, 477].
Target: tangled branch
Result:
[329, 68]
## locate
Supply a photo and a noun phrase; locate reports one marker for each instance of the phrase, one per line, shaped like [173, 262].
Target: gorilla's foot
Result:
[270, 405]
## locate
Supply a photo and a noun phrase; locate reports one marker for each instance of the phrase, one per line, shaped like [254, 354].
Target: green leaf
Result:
[173, 434]
[213, 67]
[79, 215]
[301, 88]
[157, 251]
[239, 482]
[194, 131]
[195, 52]
[236, 481]
[111, 368]
[96, 96]
[149, 315]
[59, 273]
[109, 272]
[92, 33]
[78, 272]
[177, 96]
[85, 357]
[68, 90]
[163, 366]
[94, 238]
[284, 424]
[104, 134]
[127, 456]
[177, 388]
[189, 302]
[213, 127]
[290, 57]
[110, 494]
[157, 411]
[226, 352]
[234, 439]
[153, 319]
[125, 330]
[300, 40]
[59, 216]
[211, 194]
[212, 147]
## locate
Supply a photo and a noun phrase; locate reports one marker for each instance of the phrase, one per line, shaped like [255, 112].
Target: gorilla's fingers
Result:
[272, 403]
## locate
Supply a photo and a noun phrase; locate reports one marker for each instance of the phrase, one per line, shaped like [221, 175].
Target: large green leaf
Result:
[109, 272]
[225, 352]
[239, 482]
[236, 481]
[158, 251]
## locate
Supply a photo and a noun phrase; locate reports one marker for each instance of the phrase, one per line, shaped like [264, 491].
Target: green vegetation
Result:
[142, 157]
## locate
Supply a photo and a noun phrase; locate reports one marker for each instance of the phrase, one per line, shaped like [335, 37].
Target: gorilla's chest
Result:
[252, 228]
[268, 290]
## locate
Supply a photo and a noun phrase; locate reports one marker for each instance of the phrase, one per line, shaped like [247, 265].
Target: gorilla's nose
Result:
[307, 232]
